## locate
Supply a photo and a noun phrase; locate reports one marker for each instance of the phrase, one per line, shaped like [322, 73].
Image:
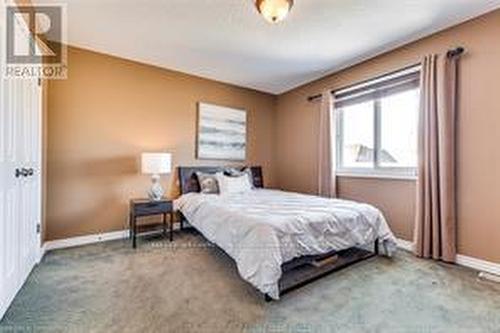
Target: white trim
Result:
[41, 253]
[91, 239]
[405, 245]
[375, 175]
[84, 240]
[487, 269]
[479, 265]
[489, 277]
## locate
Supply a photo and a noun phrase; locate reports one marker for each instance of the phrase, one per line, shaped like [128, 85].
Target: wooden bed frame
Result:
[300, 271]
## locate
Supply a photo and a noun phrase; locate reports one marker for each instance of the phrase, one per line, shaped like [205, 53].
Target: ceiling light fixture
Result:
[274, 10]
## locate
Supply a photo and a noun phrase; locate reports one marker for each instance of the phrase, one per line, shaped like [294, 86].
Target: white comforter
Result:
[262, 229]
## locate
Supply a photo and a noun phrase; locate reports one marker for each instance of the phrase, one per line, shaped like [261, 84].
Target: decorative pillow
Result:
[208, 183]
[228, 185]
[233, 172]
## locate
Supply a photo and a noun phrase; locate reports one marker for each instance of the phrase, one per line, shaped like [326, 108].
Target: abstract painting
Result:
[221, 132]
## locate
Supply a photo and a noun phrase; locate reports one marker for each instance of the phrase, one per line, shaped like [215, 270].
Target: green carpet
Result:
[188, 286]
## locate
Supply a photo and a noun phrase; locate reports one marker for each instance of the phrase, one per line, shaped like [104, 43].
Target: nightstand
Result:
[145, 207]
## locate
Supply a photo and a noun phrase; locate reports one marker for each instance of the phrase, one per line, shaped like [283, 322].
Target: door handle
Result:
[23, 172]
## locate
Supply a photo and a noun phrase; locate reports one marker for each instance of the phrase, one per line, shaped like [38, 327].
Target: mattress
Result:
[263, 229]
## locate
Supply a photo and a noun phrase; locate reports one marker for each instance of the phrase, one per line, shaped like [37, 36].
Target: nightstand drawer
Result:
[151, 208]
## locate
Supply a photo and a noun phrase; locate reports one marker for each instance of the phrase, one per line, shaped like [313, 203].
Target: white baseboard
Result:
[41, 253]
[479, 265]
[405, 245]
[84, 240]
[462, 260]
[88, 239]
[489, 277]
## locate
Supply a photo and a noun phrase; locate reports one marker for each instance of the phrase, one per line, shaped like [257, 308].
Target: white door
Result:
[20, 181]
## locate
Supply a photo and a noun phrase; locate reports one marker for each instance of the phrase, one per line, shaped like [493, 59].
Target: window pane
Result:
[399, 122]
[357, 135]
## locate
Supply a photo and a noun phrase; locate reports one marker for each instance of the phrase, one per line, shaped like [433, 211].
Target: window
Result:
[377, 126]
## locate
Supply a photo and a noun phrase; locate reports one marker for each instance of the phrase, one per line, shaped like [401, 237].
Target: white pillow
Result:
[228, 185]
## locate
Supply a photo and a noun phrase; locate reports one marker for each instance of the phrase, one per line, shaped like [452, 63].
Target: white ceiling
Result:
[227, 40]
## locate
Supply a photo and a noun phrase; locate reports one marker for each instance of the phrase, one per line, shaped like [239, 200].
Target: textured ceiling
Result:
[227, 40]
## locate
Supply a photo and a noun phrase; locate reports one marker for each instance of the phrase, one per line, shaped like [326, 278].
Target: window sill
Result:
[376, 176]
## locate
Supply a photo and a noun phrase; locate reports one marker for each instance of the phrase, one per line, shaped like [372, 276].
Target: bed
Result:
[283, 240]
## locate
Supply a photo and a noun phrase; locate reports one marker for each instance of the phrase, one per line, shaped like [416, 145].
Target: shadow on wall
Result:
[73, 221]
[173, 188]
[124, 166]
[101, 203]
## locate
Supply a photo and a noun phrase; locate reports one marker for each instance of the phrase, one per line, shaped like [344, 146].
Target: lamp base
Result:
[156, 191]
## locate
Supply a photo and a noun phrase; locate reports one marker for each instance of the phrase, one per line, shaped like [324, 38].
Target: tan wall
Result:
[107, 113]
[478, 127]
[393, 197]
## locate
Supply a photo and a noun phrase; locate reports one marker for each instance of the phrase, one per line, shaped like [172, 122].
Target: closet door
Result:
[20, 181]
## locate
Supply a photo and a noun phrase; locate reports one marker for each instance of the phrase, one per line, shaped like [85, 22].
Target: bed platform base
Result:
[302, 271]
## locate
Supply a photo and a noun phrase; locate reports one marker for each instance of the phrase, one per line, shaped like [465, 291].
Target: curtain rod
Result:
[450, 54]
[455, 52]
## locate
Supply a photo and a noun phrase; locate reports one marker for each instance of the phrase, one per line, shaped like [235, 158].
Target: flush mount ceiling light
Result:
[274, 10]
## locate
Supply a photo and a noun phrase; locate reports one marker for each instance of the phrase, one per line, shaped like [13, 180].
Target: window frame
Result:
[377, 171]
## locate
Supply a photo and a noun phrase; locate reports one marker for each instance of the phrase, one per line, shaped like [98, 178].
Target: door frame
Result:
[41, 130]
[39, 249]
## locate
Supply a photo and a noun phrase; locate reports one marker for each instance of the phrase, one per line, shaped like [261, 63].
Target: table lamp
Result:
[156, 164]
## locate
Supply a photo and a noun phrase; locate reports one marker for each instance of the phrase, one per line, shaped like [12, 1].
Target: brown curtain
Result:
[327, 162]
[435, 228]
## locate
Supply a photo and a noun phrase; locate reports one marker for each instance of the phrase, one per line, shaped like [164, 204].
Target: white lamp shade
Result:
[156, 163]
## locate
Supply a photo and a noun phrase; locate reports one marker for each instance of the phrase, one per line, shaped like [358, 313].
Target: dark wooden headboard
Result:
[189, 182]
